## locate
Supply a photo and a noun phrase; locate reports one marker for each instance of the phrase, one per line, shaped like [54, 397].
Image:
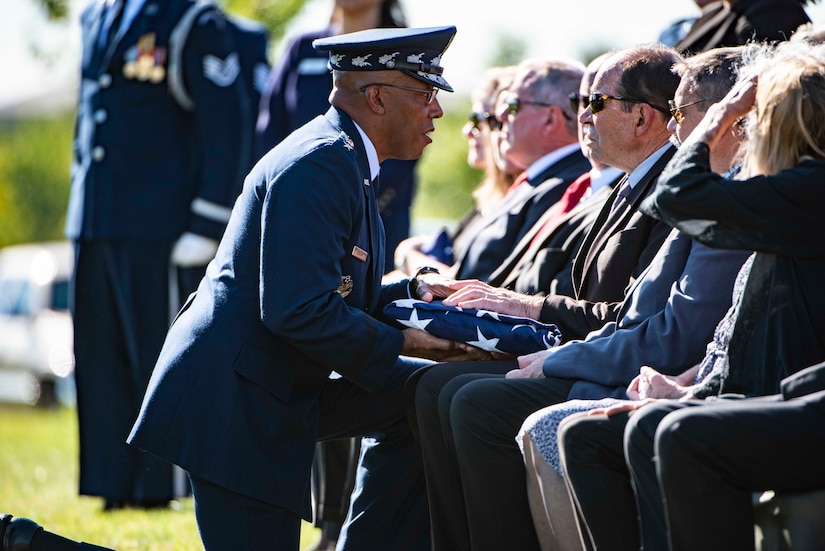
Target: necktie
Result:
[522, 178]
[572, 195]
[624, 191]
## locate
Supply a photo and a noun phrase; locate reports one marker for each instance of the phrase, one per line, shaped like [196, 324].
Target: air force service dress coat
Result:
[286, 301]
[145, 169]
[139, 155]
[297, 91]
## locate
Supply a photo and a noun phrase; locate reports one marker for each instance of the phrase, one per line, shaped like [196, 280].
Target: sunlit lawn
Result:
[38, 480]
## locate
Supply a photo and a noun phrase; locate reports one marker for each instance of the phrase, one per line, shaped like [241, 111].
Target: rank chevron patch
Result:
[222, 72]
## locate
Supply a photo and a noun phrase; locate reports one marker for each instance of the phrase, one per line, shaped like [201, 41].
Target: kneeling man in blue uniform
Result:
[242, 388]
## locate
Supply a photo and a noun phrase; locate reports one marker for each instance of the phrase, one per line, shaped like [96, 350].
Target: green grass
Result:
[38, 480]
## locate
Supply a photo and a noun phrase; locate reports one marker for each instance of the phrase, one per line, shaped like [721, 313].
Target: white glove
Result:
[192, 250]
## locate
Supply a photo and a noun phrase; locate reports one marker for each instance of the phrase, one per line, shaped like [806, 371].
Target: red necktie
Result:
[572, 196]
[520, 179]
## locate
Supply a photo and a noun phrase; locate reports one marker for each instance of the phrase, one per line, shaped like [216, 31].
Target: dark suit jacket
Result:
[665, 322]
[724, 24]
[545, 267]
[618, 247]
[496, 234]
[780, 328]
[288, 299]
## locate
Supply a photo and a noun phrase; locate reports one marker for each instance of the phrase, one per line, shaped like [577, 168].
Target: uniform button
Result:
[105, 80]
[100, 116]
[98, 153]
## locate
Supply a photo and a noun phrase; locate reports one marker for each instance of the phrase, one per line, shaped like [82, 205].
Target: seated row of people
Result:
[669, 300]
[468, 414]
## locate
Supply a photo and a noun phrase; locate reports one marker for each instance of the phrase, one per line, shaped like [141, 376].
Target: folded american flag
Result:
[484, 329]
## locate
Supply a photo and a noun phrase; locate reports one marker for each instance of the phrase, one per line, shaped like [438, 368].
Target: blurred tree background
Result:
[35, 151]
[34, 178]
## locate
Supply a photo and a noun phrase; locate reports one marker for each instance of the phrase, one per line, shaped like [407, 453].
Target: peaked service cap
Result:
[414, 51]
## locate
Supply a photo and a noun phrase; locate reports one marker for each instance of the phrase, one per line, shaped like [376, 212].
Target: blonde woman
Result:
[483, 141]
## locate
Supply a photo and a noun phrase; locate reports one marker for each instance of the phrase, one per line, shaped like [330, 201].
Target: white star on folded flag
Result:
[483, 329]
[414, 322]
[484, 343]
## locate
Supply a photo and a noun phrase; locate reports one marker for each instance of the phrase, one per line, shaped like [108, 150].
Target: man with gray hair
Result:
[540, 139]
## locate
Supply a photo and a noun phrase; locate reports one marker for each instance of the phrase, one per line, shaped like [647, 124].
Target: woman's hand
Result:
[723, 115]
[649, 383]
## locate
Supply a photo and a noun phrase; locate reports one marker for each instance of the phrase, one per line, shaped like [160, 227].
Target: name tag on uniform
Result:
[359, 253]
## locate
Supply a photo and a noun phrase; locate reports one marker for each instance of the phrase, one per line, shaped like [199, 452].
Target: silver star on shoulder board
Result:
[348, 143]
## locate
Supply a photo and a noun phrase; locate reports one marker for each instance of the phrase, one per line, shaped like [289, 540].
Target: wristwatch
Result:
[412, 284]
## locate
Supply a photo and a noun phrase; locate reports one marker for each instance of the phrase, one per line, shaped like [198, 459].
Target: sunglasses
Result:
[431, 93]
[514, 105]
[676, 110]
[477, 118]
[596, 102]
[577, 101]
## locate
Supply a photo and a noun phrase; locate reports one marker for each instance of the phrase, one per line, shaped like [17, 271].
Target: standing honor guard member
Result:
[153, 182]
[241, 391]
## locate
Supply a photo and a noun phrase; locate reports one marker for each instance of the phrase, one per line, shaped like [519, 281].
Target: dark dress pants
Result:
[485, 417]
[444, 493]
[639, 454]
[615, 509]
[389, 504]
[388, 508]
[590, 448]
[333, 478]
[229, 520]
[120, 312]
[711, 459]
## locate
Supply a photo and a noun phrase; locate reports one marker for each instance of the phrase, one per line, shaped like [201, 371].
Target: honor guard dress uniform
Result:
[148, 172]
[242, 391]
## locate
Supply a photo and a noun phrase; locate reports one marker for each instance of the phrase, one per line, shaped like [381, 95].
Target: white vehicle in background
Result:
[36, 359]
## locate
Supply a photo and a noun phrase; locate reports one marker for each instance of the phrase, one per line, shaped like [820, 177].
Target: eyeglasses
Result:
[430, 93]
[596, 102]
[477, 118]
[577, 101]
[676, 110]
[514, 105]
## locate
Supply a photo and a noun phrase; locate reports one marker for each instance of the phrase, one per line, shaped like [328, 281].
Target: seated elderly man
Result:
[539, 139]
[541, 263]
